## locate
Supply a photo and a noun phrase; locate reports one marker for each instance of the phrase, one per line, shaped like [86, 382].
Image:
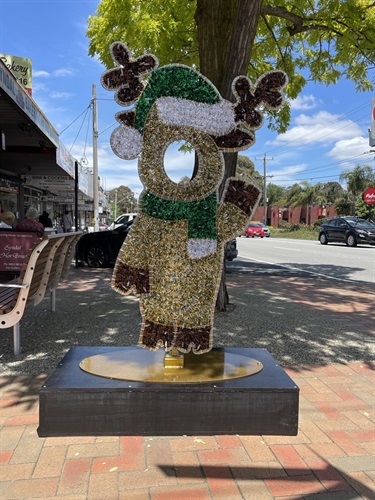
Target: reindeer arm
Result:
[239, 202]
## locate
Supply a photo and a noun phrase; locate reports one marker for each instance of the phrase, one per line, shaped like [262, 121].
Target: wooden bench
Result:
[46, 264]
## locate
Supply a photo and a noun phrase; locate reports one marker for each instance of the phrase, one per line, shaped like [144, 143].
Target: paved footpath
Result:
[331, 458]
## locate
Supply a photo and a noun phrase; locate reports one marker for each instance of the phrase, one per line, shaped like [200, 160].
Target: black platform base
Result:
[76, 403]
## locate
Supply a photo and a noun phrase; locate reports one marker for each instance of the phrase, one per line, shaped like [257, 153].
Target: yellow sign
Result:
[21, 68]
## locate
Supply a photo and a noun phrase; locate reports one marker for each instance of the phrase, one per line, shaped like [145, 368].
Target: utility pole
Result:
[95, 157]
[265, 159]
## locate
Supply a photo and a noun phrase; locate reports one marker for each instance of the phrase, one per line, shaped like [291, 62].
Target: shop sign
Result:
[15, 91]
[50, 182]
[8, 186]
[64, 199]
[65, 160]
[369, 196]
[14, 246]
[21, 69]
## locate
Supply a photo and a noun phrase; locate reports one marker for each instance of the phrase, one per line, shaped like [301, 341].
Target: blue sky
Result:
[328, 132]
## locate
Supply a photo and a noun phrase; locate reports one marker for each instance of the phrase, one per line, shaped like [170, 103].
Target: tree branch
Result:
[297, 21]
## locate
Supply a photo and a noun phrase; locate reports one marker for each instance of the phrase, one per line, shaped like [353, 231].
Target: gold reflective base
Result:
[142, 365]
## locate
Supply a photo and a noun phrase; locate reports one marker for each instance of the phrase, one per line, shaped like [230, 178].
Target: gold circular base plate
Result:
[142, 365]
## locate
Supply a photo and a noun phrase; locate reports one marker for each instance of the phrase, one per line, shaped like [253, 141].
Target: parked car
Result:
[122, 219]
[100, 249]
[349, 230]
[252, 230]
[231, 250]
[266, 229]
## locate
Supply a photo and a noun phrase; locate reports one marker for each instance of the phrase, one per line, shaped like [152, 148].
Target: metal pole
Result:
[76, 204]
[264, 190]
[95, 157]
[264, 187]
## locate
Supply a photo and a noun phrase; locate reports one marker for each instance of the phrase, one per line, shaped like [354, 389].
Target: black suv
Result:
[100, 249]
[349, 230]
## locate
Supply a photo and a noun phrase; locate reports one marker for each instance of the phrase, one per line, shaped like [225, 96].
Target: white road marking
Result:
[291, 268]
[289, 249]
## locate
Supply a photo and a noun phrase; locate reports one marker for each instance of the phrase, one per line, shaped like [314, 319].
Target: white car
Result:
[121, 219]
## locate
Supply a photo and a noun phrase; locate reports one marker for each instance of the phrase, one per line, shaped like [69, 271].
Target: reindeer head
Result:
[183, 97]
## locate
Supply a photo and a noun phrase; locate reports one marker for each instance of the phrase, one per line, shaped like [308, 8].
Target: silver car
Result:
[266, 229]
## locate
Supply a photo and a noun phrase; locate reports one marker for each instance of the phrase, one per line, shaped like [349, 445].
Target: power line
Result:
[85, 110]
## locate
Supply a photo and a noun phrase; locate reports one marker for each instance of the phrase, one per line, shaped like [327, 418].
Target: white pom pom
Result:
[126, 142]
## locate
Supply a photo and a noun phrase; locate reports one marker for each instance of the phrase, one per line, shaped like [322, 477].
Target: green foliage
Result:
[363, 209]
[320, 41]
[331, 191]
[275, 194]
[357, 180]
[247, 168]
[296, 231]
[122, 200]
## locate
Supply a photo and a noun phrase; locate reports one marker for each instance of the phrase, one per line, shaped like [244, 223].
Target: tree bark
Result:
[226, 34]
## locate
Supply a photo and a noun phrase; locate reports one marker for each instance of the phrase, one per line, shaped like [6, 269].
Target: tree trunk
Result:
[226, 33]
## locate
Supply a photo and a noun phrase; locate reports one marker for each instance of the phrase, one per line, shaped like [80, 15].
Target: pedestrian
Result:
[7, 220]
[31, 223]
[67, 222]
[45, 219]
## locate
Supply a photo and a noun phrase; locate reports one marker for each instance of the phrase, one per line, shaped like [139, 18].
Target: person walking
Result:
[67, 222]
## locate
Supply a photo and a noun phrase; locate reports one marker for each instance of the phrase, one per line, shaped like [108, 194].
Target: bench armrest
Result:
[10, 285]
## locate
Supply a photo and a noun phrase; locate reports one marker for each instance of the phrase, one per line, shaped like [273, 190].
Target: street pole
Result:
[95, 157]
[265, 159]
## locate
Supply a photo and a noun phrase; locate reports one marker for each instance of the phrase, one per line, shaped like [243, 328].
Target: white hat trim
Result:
[215, 119]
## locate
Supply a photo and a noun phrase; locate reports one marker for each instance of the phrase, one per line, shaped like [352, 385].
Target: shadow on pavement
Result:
[300, 319]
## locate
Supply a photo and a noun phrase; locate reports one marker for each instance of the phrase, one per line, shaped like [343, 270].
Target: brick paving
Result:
[331, 458]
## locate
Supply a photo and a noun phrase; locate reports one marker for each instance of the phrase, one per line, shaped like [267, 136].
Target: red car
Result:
[253, 230]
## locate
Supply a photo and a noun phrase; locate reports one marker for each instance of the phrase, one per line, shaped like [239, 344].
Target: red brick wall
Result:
[296, 215]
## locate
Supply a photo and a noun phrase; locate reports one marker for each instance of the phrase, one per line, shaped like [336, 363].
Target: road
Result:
[335, 261]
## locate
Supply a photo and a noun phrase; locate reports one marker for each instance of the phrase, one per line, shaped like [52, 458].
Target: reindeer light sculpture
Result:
[173, 256]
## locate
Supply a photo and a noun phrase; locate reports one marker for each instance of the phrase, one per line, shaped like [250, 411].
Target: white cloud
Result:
[348, 148]
[285, 176]
[62, 72]
[60, 95]
[323, 128]
[41, 74]
[305, 102]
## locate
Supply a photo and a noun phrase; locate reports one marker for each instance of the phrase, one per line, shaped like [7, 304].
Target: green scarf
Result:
[201, 214]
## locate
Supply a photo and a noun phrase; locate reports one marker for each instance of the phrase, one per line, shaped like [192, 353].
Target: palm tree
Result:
[357, 180]
[306, 195]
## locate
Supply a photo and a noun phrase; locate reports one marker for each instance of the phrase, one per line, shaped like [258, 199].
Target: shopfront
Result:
[35, 167]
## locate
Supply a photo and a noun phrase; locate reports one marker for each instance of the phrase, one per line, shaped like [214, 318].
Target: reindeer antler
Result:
[127, 76]
[266, 92]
